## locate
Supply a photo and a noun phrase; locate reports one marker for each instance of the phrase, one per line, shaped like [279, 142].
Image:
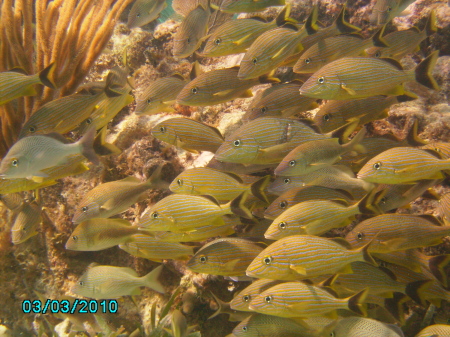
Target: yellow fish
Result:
[26, 223]
[248, 6]
[145, 11]
[436, 330]
[272, 326]
[242, 300]
[358, 77]
[360, 326]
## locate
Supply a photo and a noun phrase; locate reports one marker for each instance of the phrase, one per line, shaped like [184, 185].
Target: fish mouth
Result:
[359, 176]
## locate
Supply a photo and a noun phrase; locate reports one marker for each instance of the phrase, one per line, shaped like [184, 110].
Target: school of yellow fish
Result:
[289, 180]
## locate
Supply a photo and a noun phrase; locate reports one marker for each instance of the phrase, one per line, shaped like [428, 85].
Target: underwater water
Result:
[224, 168]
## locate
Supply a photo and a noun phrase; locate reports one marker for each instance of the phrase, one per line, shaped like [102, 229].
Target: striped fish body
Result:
[334, 114]
[296, 299]
[259, 325]
[374, 146]
[110, 198]
[402, 165]
[30, 155]
[265, 140]
[215, 87]
[184, 7]
[356, 77]
[269, 51]
[434, 292]
[12, 201]
[201, 234]
[442, 148]
[223, 186]
[73, 166]
[242, 300]
[297, 195]
[436, 330]
[103, 282]
[160, 95]
[154, 249]
[385, 10]
[328, 50]
[283, 100]
[314, 217]
[248, 6]
[302, 256]
[188, 134]
[225, 256]
[235, 36]
[395, 232]
[14, 85]
[106, 110]
[98, 234]
[336, 176]
[181, 213]
[400, 43]
[63, 114]
[26, 223]
[191, 32]
[368, 276]
[365, 327]
[444, 207]
[145, 11]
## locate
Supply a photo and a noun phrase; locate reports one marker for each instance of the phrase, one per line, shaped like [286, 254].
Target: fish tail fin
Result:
[156, 181]
[47, 76]
[258, 188]
[406, 97]
[364, 251]
[222, 306]
[151, 280]
[311, 26]
[102, 148]
[237, 206]
[269, 78]
[438, 264]
[355, 143]
[412, 138]
[423, 71]
[345, 131]
[430, 26]
[378, 40]
[369, 204]
[111, 87]
[416, 289]
[87, 145]
[343, 25]
[395, 306]
[356, 303]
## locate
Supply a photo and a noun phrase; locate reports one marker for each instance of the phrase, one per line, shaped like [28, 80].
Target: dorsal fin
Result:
[388, 272]
[58, 137]
[195, 70]
[395, 63]
[289, 25]
[297, 81]
[258, 18]
[211, 198]
[178, 75]
[432, 219]
[378, 40]
[234, 176]
[434, 153]
[342, 25]
[311, 22]
[341, 241]
[18, 70]
[414, 29]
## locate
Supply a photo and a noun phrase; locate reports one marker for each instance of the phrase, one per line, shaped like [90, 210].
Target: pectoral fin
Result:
[230, 265]
[350, 91]
[298, 269]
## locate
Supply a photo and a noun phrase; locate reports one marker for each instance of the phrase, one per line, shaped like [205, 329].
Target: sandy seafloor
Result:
[43, 264]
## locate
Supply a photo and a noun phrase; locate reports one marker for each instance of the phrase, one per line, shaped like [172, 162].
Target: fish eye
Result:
[292, 163]
[203, 259]
[321, 80]
[194, 90]
[267, 260]
[246, 298]
[32, 129]
[154, 215]
[188, 40]
[377, 165]
[138, 15]
[254, 60]
[264, 109]
[89, 121]
[389, 9]
[287, 181]
[383, 200]
[162, 129]
[237, 143]
[378, 54]
[84, 209]
[360, 236]
[244, 328]
[268, 299]
[15, 162]
[283, 204]
[149, 100]
[326, 117]
[217, 41]
[282, 225]
[81, 283]
[180, 182]
[308, 60]
[75, 238]
[332, 334]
